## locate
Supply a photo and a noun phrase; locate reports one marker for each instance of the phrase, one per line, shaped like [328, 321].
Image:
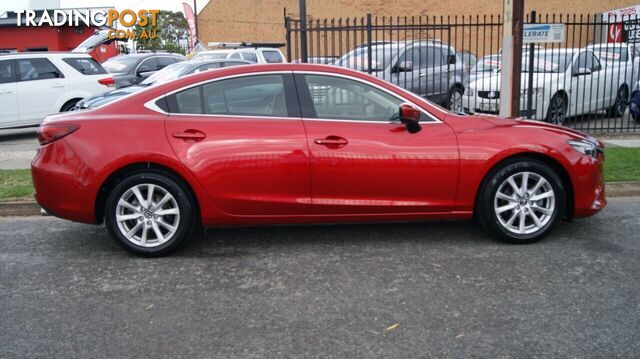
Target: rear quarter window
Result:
[85, 66]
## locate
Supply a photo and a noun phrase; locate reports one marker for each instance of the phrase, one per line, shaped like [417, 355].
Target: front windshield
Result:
[358, 59]
[487, 64]
[120, 64]
[612, 53]
[547, 62]
[167, 74]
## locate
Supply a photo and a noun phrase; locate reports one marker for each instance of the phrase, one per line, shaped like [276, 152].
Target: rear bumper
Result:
[58, 185]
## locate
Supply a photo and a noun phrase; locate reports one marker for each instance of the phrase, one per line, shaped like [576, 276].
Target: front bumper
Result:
[476, 104]
[588, 187]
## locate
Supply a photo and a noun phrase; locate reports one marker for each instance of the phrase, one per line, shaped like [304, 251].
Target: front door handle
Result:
[331, 141]
[56, 86]
[5, 91]
[190, 135]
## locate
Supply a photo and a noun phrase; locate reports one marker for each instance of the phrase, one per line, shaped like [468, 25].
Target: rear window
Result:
[272, 57]
[85, 66]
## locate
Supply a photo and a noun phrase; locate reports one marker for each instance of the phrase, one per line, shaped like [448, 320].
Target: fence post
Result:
[369, 55]
[511, 58]
[303, 31]
[287, 25]
[532, 49]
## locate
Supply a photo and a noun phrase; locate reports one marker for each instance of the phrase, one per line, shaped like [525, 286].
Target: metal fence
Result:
[584, 81]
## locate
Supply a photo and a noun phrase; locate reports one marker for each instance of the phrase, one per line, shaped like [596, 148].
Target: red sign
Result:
[614, 33]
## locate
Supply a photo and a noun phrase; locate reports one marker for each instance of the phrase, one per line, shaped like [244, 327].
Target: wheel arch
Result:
[549, 161]
[69, 101]
[119, 174]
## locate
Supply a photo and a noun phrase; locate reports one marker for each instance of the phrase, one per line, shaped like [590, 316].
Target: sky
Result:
[174, 5]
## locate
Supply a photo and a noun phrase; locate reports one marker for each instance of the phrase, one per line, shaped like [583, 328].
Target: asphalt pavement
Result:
[384, 290]
[17, 148]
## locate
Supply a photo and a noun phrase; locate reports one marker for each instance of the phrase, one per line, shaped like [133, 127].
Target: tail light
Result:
[49, 133]
[107, 81]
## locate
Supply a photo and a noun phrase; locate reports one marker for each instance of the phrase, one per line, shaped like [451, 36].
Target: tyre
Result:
[69, 105]
[454, 100]
[620, 104]
[557, 111]
[150, 214]
[521, 201]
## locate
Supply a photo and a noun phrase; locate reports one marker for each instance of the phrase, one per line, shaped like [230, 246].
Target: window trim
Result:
[16, 66]
[152, 106]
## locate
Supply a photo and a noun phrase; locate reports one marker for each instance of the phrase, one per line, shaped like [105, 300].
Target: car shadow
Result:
[18, 134]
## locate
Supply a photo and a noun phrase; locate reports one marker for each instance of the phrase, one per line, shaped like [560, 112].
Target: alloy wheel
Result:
[147, 215]
[455, 101]
[621, 100]
[557, 110]
[524, 203]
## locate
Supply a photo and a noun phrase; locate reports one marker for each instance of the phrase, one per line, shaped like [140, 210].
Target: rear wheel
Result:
[521, 201]
[69, 105]
[150, 214]
[620, 104]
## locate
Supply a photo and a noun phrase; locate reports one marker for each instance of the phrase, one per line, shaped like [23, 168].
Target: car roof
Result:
[149, 54]
[45, 53]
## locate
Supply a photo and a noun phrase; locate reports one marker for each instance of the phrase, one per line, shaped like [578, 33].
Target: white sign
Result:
[543, 33]
[624, 14]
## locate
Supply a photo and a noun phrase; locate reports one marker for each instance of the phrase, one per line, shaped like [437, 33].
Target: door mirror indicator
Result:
[583, 71]
[410, 117]
[404, 66]
[451, 59]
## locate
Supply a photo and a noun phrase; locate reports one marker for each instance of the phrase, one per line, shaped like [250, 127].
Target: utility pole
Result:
[511, 58]
[303, 30]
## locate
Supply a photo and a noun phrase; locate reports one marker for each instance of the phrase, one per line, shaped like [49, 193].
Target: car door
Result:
[40, 85]
[585, 85]
[362, 161]
[8, 97]
[243, 139]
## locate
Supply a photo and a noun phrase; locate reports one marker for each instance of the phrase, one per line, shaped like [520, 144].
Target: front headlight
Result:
[584, 147]
[536, 91]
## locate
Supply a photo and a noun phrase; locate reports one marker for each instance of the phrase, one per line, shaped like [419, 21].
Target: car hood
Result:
[533, 124]
[492, 82]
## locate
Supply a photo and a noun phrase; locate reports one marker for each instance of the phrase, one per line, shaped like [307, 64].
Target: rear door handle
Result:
[331, 141]
[57, 85]
[6, 91]
[190, 135]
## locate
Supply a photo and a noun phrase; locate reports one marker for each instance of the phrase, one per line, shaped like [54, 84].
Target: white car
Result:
[242, 51]
[621, 56]
[566, 82]
[34, 85]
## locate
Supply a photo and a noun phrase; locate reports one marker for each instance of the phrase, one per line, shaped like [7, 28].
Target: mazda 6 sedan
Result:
[300, 143]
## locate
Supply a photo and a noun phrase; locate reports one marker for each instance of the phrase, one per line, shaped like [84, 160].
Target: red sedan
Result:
[297, 143]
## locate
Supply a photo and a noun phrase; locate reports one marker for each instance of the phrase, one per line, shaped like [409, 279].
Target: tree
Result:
[171, 27]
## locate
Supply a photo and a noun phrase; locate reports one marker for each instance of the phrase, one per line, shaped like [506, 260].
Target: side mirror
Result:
[582, 71]
[452, 59]
[410, 117]
[404, 66]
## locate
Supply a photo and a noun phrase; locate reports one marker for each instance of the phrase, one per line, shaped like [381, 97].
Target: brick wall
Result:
[262, 20]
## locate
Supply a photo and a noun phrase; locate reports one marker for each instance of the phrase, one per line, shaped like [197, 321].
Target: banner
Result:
[191, 20]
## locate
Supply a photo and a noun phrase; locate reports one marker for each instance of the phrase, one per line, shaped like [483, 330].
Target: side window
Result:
[148, 65]
[592, 62]
[250, 56]
[417, 56]
[37, 69]
[187, 101]
[262, 95]
[345, 99]
[235, 55]
[580, 62]
[165, 61]
[6, 72]
[272, 57]
[85, 66]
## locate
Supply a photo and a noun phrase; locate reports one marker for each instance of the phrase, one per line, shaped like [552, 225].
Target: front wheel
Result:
[521, 201]
[150, 214]
[454, 100]
[557, 111]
